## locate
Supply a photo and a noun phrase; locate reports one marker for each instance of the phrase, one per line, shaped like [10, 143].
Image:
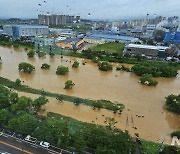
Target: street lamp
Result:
[38, 47]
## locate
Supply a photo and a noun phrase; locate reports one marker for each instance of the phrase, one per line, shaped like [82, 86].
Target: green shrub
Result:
[31, 53]
[75, 64]
[155, 69]
[170, 150]
[173, 103]
[148, 80]
[26, 67]
[105, 66]
[18, 82]
[177, 133]
[123, 68]
[45, 66]
[95, 59]
[16, 45]
[41, 54]
[69, 84]
[61, 70]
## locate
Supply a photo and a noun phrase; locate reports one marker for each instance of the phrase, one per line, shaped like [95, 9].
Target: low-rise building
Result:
[44, 41]
[70, 43]
[150, 29]
[69, 33]
[103, 37]
[147, 50]
[18, 31]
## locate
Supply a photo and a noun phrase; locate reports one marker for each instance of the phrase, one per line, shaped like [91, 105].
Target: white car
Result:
[44, 144]
[27, 138]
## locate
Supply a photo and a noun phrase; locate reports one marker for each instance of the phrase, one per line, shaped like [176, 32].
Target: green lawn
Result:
[150, 147]
[111, 47]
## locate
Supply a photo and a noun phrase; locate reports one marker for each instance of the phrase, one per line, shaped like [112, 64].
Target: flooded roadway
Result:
[91, 83]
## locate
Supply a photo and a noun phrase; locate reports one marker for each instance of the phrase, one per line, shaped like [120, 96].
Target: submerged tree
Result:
[75, 64]
[31, 53]
[26, 67]
[69, 84]
[45, 66]
[61, 70]
[105, 66]
[148, 80]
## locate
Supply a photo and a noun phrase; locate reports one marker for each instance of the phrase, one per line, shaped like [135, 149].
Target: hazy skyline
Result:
[99, 9]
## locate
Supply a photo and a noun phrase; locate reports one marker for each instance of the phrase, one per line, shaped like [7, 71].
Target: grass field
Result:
[111, 47]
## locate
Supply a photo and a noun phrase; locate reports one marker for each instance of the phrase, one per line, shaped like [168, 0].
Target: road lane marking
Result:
[12, 146]
[34, 146]
[4, 135]
[19, 141]
[51, 152]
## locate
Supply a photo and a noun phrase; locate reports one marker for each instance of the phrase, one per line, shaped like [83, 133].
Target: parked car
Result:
[30, 139]
[27, 138]
[9, 132]
[4, 153]
[19, 136]
[44, 144]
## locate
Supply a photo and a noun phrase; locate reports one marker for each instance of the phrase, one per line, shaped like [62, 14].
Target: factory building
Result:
[100, 37]
[18, 31]
[147, 50]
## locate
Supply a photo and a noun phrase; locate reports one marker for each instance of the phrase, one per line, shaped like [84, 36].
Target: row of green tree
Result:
[61, 70]
[155, 69]
[7, 41]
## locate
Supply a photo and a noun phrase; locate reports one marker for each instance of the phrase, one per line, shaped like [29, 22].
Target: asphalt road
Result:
[5, 148]
[13, 145]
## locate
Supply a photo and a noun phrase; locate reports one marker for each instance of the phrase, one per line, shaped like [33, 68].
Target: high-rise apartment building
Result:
[56, 20]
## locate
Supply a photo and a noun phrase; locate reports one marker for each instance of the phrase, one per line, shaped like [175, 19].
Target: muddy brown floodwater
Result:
[121, 87]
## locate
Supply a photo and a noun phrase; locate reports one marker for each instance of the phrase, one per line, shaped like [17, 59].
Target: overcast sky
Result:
[99, 9]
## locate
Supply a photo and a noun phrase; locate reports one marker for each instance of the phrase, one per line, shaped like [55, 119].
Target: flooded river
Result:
[91, 83]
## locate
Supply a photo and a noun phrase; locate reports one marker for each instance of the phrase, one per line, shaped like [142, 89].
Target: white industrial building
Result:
[147, 50]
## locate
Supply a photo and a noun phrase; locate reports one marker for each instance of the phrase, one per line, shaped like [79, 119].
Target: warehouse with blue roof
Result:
[172, 37]
[100, 37]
